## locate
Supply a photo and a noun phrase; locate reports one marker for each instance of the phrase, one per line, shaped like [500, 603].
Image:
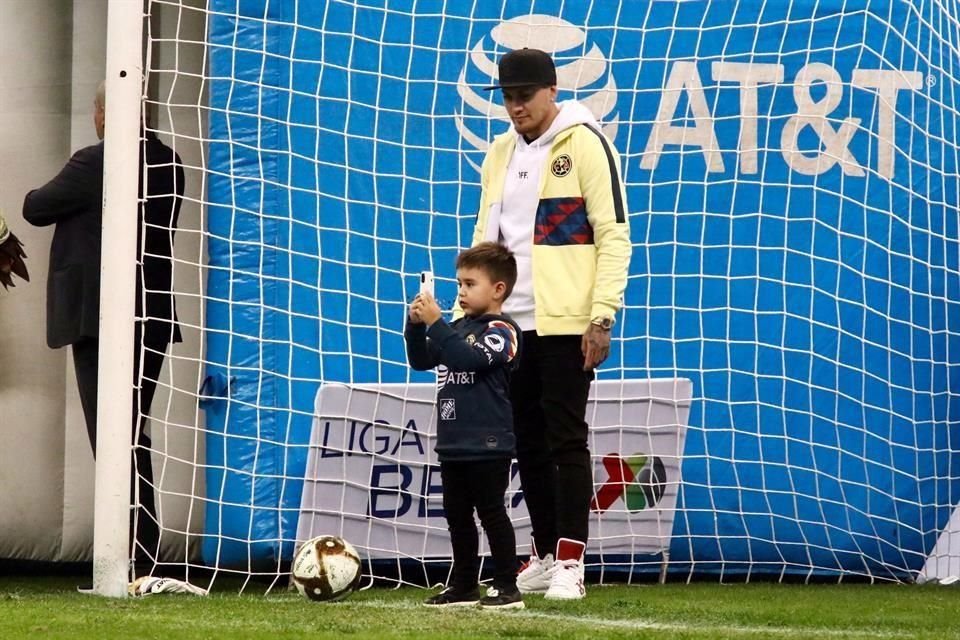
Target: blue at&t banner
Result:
[791, 173]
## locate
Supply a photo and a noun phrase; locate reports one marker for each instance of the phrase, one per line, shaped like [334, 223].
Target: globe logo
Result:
[582, 70]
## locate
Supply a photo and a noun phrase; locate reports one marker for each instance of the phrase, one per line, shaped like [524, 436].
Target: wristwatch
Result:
[604, 322]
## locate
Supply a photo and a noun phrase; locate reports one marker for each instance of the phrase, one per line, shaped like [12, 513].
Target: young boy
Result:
[475, 441]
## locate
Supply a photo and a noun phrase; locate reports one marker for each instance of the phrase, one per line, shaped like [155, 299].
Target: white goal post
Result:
[124, 90]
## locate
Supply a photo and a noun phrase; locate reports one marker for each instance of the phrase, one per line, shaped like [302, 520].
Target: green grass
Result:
[51, 608]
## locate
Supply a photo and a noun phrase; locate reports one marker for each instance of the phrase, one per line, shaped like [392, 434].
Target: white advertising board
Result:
[372, 475]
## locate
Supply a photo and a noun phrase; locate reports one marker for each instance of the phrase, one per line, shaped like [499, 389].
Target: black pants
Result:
[144, 528]
[479, 485]
[549, 395]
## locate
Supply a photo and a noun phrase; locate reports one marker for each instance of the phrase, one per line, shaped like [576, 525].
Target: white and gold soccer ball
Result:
[326, 568]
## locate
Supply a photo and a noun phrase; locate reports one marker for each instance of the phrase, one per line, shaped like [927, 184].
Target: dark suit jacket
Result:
[73, 201]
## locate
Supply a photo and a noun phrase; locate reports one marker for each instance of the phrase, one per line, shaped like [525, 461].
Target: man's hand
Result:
[595, 346]
[11, 261]
[425, 308]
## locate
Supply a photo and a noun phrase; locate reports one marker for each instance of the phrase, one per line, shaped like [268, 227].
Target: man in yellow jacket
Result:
[552, 193]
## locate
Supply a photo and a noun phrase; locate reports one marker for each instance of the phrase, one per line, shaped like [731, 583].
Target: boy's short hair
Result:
[494, 259]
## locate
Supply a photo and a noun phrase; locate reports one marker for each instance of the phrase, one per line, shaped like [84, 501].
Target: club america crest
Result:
[561, 165]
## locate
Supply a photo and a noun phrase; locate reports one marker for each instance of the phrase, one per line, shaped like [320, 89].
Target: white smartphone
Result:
[426, 282]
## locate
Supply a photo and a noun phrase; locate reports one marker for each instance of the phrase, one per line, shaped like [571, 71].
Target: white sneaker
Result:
[536, 574]
[567, 581]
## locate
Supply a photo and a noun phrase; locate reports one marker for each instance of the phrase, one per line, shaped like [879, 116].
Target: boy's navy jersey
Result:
[474, 357]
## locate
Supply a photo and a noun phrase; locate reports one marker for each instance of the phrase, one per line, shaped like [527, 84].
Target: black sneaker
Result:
[502, 599]
[450, 597]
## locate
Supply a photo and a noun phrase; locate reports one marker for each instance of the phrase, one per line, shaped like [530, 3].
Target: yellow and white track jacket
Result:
[581, 235]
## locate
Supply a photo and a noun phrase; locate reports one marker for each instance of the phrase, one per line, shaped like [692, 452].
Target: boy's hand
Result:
[426, 307]
[414, 311]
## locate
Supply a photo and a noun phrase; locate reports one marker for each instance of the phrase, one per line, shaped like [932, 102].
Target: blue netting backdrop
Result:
[815, 313]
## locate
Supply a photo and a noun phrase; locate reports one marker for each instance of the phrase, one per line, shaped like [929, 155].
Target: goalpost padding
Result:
[791, 172]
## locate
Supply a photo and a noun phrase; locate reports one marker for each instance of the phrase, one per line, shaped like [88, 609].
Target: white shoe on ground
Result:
[566, 581]
[536, 574]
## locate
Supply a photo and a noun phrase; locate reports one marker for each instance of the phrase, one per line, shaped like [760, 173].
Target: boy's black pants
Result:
[480, 486]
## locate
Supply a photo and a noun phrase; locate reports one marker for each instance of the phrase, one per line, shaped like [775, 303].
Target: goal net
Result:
[779, 399]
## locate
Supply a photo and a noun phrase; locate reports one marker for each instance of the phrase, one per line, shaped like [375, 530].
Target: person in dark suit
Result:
[72, 201]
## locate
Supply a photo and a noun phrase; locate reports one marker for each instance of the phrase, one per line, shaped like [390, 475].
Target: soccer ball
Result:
[326, 568]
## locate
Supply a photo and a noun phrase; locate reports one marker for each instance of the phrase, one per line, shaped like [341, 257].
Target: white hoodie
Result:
[521, 197]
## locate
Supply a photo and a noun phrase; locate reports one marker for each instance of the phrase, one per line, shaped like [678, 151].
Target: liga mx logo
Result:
[640, 480]
[582, 70]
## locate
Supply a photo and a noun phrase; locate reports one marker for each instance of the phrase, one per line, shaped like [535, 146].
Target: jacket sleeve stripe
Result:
[614, 175]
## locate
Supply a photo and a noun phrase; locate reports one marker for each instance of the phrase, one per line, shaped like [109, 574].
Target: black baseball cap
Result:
[525, 68]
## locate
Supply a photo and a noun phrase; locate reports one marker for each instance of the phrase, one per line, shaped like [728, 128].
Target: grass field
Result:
[51, 608]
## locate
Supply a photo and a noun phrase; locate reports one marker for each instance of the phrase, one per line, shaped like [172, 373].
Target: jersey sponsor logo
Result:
[509, 343]
[445, 376]
[448, 409]
[495, 341]
[561, 165]
[455, 377]
[486, 352]
[442, 372]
